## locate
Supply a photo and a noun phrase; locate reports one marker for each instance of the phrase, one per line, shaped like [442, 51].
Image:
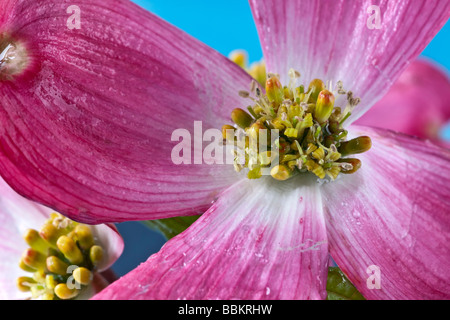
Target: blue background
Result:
[224, 26]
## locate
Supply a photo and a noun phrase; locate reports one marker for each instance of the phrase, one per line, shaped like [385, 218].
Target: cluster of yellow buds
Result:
[310, 127]
[257, 69]
[62, 258]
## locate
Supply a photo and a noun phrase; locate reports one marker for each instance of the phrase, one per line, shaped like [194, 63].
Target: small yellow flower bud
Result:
[324, 106]
[355, 146]
[96, 254]
[50, 233]
[70, 250]
[241, 118]
[84, 236]
[258, 72]
[281, 172]
[34, 240]
[239, 57]
[24, 267]
[33, 259]
[63, 292]
[274, 90]
[56, 265]
[82, 276]
[315, 87]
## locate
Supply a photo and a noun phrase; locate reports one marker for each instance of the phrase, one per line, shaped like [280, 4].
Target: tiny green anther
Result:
[333, 172]
[355, 146]
[291, 133]
[274, 90]
[70, 250]
[82, 276]
[56, 265]
[25, 283]
[34, 240]
[318, 154]
[63, 292]
[315, 168]
[306, 123]
[255, 173]
[84, 236]
[96, 254]
[33, 259]
[315, 87]
[324, 106]
[241, 118]
[281, 172]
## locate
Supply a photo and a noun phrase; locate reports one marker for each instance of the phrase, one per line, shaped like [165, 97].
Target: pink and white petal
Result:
[17, 214]
[260, 240]
[89, 132]
[394, 213]
[417, 104]
[332, 40]
[112, 243]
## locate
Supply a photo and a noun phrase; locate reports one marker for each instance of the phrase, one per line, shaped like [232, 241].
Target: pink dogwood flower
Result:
[418, 102]
[86, 124]
[17, 216]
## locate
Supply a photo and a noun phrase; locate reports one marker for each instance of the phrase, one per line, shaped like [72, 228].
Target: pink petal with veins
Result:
[260, 240]
[89, 134]
[394, 214]
[331, 40]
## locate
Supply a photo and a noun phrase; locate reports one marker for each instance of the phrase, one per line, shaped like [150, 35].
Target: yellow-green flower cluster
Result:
[311, 134]
[61, 259]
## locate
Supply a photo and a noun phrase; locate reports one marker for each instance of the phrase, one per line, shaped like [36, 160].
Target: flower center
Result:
[14, 58]
[62, 258]
[311, 136]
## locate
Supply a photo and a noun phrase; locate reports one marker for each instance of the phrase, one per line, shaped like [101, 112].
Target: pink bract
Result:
[418, 102]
